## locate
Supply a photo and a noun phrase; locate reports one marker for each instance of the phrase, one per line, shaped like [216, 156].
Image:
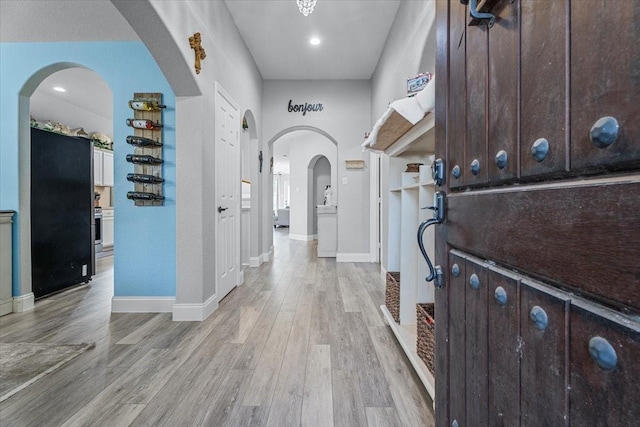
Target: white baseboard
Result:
[353, 257]
[383, 272]
[257, 261]
[24, 302]
[303, 237]
[241, 278]
[195, 312]
[326, 254]
[6, 306]
[142, 304]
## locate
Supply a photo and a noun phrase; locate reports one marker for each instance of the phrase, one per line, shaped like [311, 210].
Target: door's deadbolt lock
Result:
[435, 273]
[437, 171]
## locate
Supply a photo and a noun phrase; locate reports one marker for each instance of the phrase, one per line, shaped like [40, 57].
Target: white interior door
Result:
[227, 193]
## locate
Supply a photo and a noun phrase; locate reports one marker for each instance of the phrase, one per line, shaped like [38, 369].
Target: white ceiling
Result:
[352, 34]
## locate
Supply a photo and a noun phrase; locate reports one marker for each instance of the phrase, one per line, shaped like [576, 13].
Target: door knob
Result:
[221, 209]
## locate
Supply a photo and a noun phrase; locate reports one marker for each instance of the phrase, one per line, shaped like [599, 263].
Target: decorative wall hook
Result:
[194, 43]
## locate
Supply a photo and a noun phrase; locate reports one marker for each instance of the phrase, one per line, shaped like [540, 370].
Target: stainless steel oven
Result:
[98, 228]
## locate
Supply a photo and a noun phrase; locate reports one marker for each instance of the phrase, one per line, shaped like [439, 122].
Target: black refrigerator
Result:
[62, 214]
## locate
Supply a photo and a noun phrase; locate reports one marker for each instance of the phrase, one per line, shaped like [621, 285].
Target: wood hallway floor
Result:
[301, 342]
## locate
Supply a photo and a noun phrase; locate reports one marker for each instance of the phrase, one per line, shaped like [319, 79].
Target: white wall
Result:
[346, 116]
[46, 107]
[245, 152]
[321, 178]
[228, 62]
[284, 182]
[305, 148]
[409, 50]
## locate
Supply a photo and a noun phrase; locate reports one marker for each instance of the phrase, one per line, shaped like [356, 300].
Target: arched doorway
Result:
[250, 191]
[84, 107]
[320, 171]
[306, 145]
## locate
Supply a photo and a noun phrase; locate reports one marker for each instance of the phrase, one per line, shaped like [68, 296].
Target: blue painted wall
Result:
[145, 237]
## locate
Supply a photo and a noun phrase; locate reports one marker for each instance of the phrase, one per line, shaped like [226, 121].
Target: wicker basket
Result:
[392, 295]
[426, 342]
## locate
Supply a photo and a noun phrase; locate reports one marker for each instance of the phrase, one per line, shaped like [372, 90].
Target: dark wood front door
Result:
[538, 316]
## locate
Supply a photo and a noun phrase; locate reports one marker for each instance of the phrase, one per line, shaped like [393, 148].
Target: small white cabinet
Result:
[102, 168]
[107, 228]
[6, 299]
[327, 231]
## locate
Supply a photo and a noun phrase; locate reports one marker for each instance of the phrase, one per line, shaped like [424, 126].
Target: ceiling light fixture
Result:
[306, 6]
[59, 89]
[314, 41]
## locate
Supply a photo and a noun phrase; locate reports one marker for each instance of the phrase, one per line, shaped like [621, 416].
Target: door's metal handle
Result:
[435, 273]
[221, 209]
[478, 16]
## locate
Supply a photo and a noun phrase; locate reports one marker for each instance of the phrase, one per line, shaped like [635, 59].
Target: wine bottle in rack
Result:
[143, 124]
[141, 195]
[144, 159]
[146, 105]
[143, 178]
[140, 141]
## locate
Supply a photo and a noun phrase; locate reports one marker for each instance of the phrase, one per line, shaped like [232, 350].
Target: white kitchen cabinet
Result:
[97, 167]
[107, 168]
[102, 168]
[107, 228]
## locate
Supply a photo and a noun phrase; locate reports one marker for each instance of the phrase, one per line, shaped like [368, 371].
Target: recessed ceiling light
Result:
[314, 41]
[59, 89]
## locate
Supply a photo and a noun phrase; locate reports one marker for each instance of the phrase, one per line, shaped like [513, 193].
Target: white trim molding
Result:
[303, 237]
[257, 261]
[195, 312]
[366, 257]
[375, 205]
[142, 304]
[24, 302]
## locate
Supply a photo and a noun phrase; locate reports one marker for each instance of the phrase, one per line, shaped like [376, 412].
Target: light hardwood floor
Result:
[301, 342]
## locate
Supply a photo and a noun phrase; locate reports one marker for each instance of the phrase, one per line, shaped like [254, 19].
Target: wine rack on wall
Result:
[146, 141]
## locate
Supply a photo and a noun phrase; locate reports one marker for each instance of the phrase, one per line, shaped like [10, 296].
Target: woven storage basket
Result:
[392, 295]
[426, 342]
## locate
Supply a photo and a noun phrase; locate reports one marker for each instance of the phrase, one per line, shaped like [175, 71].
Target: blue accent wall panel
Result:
[145, 237]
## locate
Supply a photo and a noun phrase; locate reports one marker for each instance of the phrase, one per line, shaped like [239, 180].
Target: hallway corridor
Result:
[302, 339]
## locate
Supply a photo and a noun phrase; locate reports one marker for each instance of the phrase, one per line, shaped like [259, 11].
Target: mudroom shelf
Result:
[406, 336]
[404, 125]
[408, 139]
